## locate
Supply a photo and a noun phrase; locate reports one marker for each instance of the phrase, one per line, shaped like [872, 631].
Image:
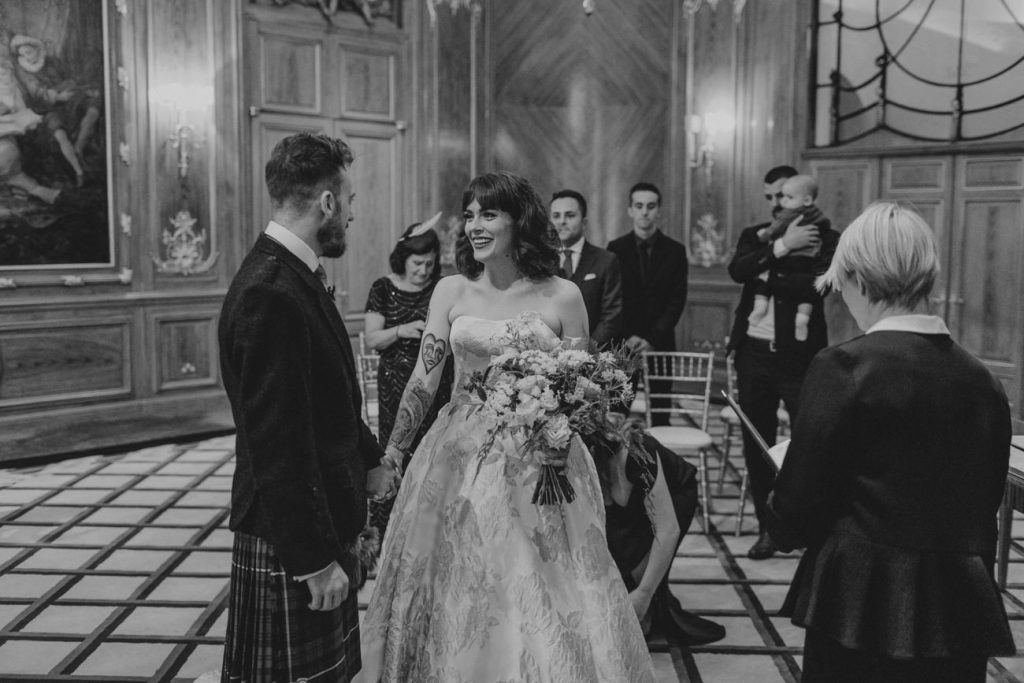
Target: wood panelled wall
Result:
[588, 103]
[747, 68]
[91, 358]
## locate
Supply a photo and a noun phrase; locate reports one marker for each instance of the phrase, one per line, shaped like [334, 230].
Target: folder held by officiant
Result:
[773, 454]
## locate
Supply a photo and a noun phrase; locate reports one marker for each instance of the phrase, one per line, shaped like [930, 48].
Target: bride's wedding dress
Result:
[476, 583]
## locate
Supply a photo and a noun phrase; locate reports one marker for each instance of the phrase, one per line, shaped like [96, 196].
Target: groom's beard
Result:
[331, 237]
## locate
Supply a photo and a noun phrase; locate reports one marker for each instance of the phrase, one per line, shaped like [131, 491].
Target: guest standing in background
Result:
[594, 270]
[770, 360]
[396, 312]
[654, 280]
[893, 478]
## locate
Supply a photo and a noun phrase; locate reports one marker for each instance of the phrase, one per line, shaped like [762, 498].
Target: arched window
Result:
[923, 70]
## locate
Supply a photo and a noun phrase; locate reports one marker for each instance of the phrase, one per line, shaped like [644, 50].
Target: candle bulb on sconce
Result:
[184, 99]
[701, 134]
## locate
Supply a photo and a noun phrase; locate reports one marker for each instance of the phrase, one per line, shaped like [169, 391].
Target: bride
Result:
[476, 583]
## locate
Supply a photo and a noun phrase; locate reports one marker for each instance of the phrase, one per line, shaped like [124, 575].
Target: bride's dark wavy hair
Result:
[534, 240]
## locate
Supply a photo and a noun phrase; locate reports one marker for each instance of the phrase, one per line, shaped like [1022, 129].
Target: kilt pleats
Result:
[273, 636]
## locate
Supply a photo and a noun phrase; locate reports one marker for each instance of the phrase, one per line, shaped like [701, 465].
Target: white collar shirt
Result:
[293, 243]
[917, 322]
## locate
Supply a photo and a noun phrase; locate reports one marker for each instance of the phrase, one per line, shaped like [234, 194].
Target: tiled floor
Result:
[115, 569]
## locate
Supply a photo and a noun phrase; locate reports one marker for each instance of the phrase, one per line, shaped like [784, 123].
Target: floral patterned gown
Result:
[479, 585]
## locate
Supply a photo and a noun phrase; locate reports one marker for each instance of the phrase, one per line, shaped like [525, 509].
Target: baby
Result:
[798, 196]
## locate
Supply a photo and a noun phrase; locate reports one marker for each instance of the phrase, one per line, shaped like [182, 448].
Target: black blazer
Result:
[892, 482]
[752, 258]
[302, 448]
[652, 310]
[600, 282]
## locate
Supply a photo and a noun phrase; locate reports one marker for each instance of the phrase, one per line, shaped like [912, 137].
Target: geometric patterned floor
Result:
[115, 568]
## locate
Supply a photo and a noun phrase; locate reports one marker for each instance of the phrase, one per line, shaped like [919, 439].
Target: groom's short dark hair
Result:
[303, 165]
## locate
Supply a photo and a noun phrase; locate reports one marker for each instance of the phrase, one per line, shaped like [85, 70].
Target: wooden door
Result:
[346, 84]
[986, 265]
[377, 211]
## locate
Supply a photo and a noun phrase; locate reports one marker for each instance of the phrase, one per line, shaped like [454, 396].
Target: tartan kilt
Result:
[273, 636]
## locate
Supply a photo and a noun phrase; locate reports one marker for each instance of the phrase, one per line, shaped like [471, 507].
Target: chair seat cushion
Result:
[729, 416]
[681, 439]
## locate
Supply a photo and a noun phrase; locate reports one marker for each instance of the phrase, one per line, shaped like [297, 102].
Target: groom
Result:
[304, 458]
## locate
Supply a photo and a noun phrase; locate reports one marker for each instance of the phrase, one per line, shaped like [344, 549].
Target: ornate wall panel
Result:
[61, 361]
[187, 349]
[172, 104]
[586, 102]
[291, 65]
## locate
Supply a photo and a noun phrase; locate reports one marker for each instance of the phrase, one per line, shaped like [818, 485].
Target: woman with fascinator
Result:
[650, 496]
[396, 313]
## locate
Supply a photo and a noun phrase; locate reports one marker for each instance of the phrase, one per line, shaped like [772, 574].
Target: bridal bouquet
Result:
[549, 396]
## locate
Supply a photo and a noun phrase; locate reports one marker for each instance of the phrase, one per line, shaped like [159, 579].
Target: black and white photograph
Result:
[512, 341]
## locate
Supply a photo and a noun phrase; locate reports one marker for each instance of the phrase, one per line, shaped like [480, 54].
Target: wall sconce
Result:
[184, 99]
[187, 250]
[701, 134]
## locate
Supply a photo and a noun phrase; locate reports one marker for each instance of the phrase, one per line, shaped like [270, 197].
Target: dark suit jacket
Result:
[600, 282]
[651, 310]
[790, 288]
[892, 481]
[302, 448]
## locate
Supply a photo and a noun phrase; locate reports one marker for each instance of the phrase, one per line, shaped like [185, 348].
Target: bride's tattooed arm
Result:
[419, 392]
[413, 408]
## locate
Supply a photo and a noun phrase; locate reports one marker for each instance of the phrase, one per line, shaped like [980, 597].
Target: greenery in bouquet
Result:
[550, 395]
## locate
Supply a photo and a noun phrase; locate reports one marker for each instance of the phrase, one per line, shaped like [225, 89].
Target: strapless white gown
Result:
[477, 584]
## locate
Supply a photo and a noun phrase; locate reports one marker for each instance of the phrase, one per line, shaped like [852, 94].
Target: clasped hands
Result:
[382, 482]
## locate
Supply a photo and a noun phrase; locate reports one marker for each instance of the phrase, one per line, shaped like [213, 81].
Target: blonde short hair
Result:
[889, 251]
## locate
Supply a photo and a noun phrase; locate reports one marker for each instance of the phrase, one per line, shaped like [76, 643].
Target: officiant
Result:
[893, 477]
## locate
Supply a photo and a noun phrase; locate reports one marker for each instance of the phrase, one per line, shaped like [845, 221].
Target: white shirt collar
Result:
[293, 243]
[919, 323]
[577, 247]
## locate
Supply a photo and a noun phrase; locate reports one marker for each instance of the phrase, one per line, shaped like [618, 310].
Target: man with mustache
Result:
[770, 360]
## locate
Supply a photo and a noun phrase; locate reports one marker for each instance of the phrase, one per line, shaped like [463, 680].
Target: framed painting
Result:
[56, 166]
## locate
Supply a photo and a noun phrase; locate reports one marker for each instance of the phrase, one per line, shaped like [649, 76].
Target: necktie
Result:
[567, 263]
[645, 262]
[321, 275]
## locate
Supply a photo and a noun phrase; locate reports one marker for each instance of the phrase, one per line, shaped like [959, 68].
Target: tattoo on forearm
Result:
[413, 408]
[433, 352]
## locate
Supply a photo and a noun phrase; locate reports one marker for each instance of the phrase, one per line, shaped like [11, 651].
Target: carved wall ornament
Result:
[122, 7]
[454, 6]
[122, 78]
[367, 9]
[184, 247]
[7, 283]
[73, 280]
[125, 276]
[707, 243]
[124, 152]
[126, 224]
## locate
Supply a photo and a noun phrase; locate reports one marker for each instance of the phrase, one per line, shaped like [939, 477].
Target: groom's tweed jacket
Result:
[303, 450]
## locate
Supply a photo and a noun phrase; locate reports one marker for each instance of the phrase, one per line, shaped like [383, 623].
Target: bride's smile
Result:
[488, 230]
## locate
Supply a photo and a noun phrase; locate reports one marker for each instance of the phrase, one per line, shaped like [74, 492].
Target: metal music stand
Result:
[752, 430]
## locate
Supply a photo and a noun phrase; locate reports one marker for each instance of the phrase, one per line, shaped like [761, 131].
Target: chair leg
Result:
[704, 485]
[702, 500]
[744, 482]
[726, 447]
